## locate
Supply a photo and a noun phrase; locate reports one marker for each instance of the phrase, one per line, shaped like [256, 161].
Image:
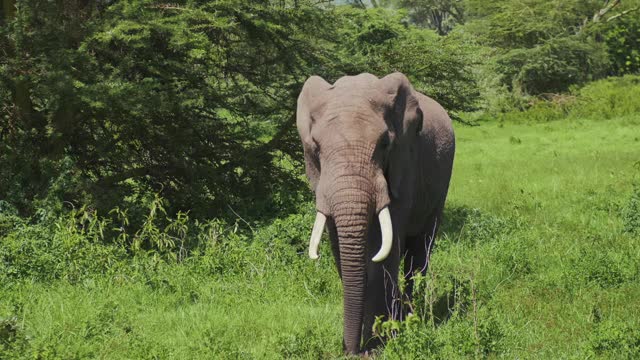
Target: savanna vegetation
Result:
[153, 203]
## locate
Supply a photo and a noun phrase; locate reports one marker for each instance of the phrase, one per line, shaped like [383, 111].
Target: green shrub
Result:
[411, 339]
[616, 340]
[289, 236]
[472, 225]
[58, 250]
[605, 268]
[554, 65]
[623, 42]
[13, 340]
[474, 335]
[607, 98]
[602, 99]
[230, 254]
[448, 320]
[303, 345]
[631, 212]
[380, 42]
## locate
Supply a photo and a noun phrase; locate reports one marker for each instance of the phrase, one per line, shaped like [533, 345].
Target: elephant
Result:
[378, 156]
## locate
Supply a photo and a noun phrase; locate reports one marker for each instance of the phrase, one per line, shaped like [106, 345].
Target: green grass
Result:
[533, 262]
[564, 184]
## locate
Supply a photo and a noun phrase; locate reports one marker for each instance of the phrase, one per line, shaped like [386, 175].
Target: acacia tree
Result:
[439, 15]
[36, 41]
[378, 41]
[195, 99]
[545, 46]
[189, 99]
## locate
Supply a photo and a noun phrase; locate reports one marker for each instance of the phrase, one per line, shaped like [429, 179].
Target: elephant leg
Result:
[419, 251]
[375, 305]
[383, 295]
[333, 238]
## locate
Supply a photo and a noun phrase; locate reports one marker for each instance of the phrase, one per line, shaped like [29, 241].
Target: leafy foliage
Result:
[603, 99]
[541, 45]
[553, 66]
[375, 40]
[439, 15]
[192, 99]
[159, 95]
[622, 36]
[614, 339]
[631, 212]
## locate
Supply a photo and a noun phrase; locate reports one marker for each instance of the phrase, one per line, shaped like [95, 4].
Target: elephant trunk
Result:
[352, 211]
[351, 192]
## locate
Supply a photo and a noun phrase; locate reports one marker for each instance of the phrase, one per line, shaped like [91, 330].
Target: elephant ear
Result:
[403, 109]
[404, 117]
[310, 103]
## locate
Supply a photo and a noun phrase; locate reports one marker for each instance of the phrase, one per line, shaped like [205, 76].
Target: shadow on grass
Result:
[455, 218]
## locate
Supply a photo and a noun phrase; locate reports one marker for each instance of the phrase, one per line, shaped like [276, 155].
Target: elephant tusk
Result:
[316, 234]
[387, 235]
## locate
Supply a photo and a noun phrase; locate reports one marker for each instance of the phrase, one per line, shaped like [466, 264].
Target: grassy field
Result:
[539, 258]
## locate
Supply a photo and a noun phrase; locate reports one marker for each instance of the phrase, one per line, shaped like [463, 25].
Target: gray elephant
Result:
[379, 157]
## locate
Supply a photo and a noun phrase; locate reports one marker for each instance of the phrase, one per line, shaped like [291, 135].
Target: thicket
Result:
[105, 104]
[599, 100]
[195, 100]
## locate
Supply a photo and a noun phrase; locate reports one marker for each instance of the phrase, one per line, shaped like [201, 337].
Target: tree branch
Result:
[622, 13]
[127, 174]
[600, 13]
[608, 6]
[168, 7]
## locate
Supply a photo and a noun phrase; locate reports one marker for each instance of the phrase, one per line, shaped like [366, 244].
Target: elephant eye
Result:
[384, 146]
[312, 146]
[385, 141]
[420, 121]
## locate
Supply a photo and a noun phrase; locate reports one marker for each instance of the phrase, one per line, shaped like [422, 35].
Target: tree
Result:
[378, 41]
[539, 45]
[439, 15]
[192, 100]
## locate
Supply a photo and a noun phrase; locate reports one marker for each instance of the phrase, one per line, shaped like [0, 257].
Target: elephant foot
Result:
[370, 354]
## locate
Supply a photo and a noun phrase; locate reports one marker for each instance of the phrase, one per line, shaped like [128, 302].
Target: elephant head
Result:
[352, 133]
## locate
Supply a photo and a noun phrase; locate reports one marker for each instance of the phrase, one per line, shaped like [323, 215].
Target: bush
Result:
[553, 66]
[616, 340]
[462, 336]
[623, 42]
[607, 98]
[303, 345]
[601, 267]
[378, 41]
[631, 212]
[288, 236]
[68, 248]
[602, 99]
[13, 340]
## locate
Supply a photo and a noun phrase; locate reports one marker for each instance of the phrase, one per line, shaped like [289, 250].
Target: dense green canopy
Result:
[105, 103]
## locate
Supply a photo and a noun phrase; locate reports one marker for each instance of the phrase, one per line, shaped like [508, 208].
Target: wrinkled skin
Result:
[372, 143]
